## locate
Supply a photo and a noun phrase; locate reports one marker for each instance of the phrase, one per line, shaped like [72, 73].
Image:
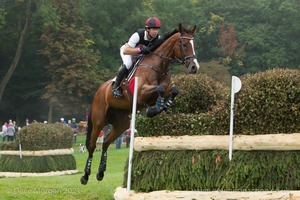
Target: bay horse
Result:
[154, 92]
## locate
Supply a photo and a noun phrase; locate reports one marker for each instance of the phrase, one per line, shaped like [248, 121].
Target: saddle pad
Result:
[131, 85]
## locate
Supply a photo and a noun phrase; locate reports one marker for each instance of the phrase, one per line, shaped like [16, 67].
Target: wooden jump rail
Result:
[50, 152]
[281, 142]
[40, 152]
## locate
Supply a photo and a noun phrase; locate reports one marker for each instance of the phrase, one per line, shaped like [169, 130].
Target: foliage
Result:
[39, 136]
[229, 47]
[267, 103]
[68, 186]
[37, 164]
[2, 17]
[216, 71]
[35, 137]
[227, 40]
[198, 93]
[211, 170]
[267, 30]
[71, 59]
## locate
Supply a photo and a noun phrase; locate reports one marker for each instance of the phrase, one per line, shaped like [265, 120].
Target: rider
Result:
[139, 43]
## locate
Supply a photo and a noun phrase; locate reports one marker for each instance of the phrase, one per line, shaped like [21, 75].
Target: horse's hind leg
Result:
[91, 145]
[120, 124]
[102, 166]
[92, 135]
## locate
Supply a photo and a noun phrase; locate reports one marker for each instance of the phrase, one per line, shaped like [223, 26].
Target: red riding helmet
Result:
[152, 22]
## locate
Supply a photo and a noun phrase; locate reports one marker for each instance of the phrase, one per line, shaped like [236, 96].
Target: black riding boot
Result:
[116, 90]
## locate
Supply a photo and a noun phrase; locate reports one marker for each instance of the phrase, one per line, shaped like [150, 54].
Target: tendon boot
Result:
[116, 89]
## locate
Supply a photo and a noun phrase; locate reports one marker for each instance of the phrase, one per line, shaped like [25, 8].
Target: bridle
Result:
[181, 60]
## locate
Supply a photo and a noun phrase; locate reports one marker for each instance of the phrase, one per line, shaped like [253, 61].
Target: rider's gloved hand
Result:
[145, 50]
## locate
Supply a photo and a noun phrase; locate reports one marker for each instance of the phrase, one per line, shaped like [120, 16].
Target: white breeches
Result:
[127, 59]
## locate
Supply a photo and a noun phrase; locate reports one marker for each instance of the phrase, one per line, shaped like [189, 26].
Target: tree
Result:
[72, 61]
[15, 61]
[231, 55]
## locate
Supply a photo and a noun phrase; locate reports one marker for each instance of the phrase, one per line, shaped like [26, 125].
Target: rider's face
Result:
[153, 32]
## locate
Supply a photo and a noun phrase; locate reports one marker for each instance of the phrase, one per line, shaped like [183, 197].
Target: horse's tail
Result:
[89, 129]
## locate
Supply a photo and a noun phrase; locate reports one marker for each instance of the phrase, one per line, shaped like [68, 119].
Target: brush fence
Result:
[38, 153]
[280, 142]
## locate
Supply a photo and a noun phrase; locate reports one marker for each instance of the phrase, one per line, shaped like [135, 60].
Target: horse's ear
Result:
[180, 28]
[192, 30]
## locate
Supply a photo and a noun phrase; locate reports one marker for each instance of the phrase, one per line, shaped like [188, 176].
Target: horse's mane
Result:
[161, 40]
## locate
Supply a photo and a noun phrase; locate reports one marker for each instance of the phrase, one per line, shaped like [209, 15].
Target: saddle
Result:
[128, 82]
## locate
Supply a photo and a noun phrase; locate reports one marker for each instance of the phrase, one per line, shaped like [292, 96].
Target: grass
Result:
[68, 186]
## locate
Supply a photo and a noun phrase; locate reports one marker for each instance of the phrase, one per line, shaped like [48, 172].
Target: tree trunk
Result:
[18, 52]
[50, 112]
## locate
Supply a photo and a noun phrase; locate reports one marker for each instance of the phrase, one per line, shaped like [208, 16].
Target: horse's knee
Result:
[161, 90]
[169, 102]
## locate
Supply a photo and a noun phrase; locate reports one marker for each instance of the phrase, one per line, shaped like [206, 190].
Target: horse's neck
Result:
[166, 53]
[166, 49]
[161, 58]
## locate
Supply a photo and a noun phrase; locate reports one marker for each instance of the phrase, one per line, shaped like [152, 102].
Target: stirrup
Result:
[117, 93]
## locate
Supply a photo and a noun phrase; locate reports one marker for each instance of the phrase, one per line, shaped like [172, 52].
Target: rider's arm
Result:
[131, 47]
[128, 50]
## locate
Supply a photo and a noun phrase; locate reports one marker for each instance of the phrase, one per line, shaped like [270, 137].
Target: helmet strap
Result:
[148, 31]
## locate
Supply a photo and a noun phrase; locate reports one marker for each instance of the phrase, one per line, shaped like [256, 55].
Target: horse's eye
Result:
[184, 45]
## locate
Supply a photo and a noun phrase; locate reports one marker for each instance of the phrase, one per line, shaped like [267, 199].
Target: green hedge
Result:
[39, 136]
[248, 170]
[268, 103]
[198, 93]
[36, 137]
[37, 164]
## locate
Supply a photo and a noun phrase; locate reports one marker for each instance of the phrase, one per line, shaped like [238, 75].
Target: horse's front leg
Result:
[159, 105]
[171, 98]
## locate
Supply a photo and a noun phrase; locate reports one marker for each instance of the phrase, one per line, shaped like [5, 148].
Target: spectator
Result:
[128, 135]
[26, 122]
[73, 125]
[10, 132]
[69, 123]
[62, 120]
[16, 129]
[100, 140]
[119, 142]
[4, 130]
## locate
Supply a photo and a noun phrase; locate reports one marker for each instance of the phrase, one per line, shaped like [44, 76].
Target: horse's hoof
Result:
[83, 181]
[152, 112]
[100, 176]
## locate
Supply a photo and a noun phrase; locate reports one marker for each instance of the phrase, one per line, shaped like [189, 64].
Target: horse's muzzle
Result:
[193, 66]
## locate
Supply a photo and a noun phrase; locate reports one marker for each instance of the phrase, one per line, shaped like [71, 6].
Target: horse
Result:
[154, 92]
